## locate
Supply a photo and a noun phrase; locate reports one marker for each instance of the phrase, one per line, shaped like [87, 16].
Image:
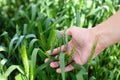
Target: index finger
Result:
[57, 50]
[62, 48]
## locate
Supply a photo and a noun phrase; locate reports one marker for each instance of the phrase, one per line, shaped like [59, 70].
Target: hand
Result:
[82, 41]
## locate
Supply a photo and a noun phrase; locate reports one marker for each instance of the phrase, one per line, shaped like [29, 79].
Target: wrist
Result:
[102, 35]
[102, 41]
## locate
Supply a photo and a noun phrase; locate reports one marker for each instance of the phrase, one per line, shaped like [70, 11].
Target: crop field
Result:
[29, 28]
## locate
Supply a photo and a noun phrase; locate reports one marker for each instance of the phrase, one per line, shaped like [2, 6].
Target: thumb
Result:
[68, 32]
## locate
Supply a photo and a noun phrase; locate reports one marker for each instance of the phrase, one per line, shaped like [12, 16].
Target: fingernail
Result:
[58, 70]
[46, 60]
[49, 52]
[54, 65]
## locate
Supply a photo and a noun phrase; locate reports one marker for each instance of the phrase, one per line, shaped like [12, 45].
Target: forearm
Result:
[109, 30]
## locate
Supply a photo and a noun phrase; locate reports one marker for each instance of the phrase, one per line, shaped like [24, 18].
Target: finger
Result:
[71, 30]
[68, 32]
[68, 68]
[54, 64]
[46, 60]
[70, 47]
[77, 58]
[62, 32]
[57, 50]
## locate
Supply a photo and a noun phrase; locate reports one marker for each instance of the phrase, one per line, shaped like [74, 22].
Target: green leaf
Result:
[93, 50]
[6, 37]
[30, 36]
[19, 41]
[33, 63]
[12, 42]
[1, 55]
[47, 23]
[33, 11]
[111, 75]
[56, 21]
[2, 48]
[82, 20]
[3, 61]
[2, 77]
[4, 33]
[41, 36]
[24, 57]
[110, 5]
[33, 58]
[18, 77]
[11, 69]
[25, 29]
[22, 13]
[77, 18]
[70, 57]
[79, 76]
[62, 64]
[31, 45]
[43, 66]
[43, 54]
[58, 34]
[65, 37]
[17, 30]
[51, 39]
[93, 78]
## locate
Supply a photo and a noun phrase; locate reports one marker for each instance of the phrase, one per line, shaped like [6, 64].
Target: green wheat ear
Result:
[93, 50]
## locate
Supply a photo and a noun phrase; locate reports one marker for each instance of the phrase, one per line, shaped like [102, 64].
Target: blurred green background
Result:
[27, 31]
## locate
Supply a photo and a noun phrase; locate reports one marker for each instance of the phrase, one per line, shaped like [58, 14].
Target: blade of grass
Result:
[33, 63]
[72, 52]
[1, 55]
[62, 64]
[2, 77]
[33, 11]
[43, 66]
[30, 36]
[2, 64]
[2, 48]
[24, 57]
[79, 76]
[19, 41]
[19, 77]
[23, 13]
[69, 59]
[77, 18]
[56, 21]
[93, 50]
[47, 23]
[31, 45]
[65, 37]
[42, 38]
[6, 36]
[25, 29]
[51, 40]
[45, 53]
[11, 69]
[12, 42]
[17, 30]
[110, 4]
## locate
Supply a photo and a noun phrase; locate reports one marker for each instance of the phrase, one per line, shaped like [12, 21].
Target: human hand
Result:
[82, 41]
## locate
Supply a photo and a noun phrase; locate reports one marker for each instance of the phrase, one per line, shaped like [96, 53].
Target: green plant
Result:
[28, 28]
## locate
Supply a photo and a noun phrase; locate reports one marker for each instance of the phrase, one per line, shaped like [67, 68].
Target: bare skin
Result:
[108, 33]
